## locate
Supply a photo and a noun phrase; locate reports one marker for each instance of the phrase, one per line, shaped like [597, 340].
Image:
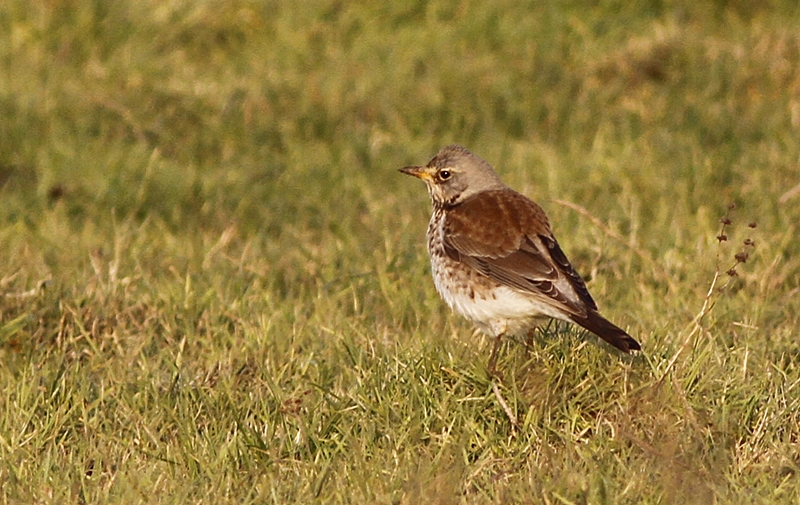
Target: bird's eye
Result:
[444, 174]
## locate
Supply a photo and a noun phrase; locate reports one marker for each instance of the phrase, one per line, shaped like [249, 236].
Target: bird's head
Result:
[455, 174]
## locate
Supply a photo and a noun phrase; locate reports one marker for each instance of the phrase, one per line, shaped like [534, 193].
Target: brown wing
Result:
[507, 237]
[565, 267]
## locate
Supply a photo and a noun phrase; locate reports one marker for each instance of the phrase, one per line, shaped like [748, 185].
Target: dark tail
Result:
[608, 331]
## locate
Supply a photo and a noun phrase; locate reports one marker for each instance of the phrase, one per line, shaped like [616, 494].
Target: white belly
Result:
[493, 308]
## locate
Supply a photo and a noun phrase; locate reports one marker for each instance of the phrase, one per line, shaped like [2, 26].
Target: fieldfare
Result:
[494, 258]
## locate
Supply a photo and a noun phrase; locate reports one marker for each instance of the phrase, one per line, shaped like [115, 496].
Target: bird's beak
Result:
[418, 172]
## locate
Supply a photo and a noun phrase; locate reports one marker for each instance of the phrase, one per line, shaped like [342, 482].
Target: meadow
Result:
[213, 280]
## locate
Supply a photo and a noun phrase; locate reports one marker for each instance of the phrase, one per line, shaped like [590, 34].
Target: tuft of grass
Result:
[213, 284]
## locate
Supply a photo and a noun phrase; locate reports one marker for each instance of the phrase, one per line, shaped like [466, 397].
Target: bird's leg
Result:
[493, 357]
[529, 338]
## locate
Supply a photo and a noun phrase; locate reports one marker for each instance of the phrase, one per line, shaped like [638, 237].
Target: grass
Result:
[213, 283]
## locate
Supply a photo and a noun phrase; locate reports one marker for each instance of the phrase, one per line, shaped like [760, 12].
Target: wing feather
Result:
[522, 254]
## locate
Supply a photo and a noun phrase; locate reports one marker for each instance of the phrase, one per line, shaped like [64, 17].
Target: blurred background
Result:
[275, 130]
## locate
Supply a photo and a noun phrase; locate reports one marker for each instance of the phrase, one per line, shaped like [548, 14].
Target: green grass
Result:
[214, 285]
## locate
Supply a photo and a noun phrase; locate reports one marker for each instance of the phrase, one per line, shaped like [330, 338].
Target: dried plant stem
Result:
[502, 401]
[708, 304]
[709, 301]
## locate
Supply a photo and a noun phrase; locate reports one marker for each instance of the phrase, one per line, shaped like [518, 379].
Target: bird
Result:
[494, 258]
